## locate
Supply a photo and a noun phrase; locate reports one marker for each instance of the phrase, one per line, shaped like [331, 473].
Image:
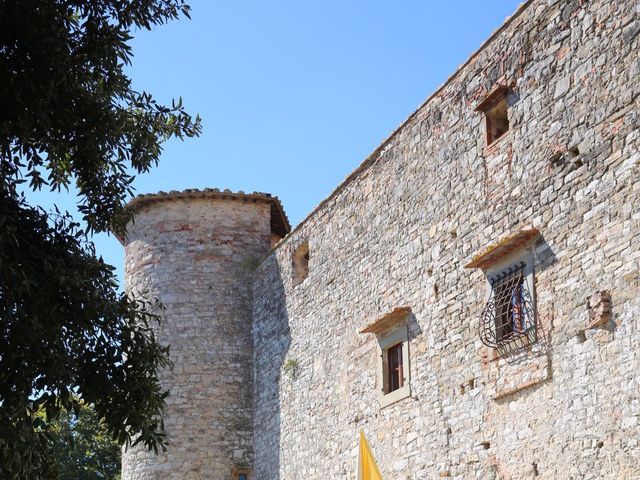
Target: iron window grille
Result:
[508, 317]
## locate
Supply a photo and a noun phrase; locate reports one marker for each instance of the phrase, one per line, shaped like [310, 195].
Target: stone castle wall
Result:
[399, 232]
[197, 256]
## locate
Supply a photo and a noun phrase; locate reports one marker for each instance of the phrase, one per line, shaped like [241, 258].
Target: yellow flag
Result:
[367, 468]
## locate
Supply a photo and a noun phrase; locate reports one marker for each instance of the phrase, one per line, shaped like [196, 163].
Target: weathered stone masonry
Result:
[403, 227]
[196, 251]
[398, 233]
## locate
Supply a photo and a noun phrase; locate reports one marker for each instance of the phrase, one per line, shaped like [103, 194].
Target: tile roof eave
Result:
[279, 221]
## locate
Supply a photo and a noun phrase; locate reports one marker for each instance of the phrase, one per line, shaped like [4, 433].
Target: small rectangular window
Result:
[393, 372]
[495, 109]
[395, 368]
[508, 319]
[497, 121]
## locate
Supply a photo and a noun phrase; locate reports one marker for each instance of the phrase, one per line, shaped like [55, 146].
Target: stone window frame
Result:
[525, 256]
[300, 263]
[387, 340]
[513, 252]
[390, 330]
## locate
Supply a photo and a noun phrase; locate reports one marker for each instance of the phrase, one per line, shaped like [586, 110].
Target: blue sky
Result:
[294, 94]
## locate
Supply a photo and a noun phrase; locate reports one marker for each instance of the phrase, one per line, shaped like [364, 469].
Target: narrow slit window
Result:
[395, 368]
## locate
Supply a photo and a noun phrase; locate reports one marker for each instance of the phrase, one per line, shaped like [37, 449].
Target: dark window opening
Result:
[300, 263]
[495, 109]
[497, 120]
[395, 368]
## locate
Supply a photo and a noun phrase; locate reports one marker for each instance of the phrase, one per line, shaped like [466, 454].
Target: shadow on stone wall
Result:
[272, 339]
[414, 327]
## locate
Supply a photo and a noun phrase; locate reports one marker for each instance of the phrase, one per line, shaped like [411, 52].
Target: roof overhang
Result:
[496, 94]
[502, 248]
[279, 221]
[392, 319]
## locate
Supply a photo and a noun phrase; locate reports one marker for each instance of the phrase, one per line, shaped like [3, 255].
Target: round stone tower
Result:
[195, 251]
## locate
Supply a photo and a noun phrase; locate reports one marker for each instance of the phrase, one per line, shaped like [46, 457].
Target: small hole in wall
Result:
[600, 444]
[567, 157]
[555, 159]
[435, 290]
[581, 336]
[534, 466]
[485, 445]
[430, 272]
[572, 156]
[576, 164]
[461, 389]
[573, 152]
[472, 384]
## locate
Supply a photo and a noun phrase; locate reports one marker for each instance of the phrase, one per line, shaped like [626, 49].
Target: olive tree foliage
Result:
[71, 118]
[82, 449]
